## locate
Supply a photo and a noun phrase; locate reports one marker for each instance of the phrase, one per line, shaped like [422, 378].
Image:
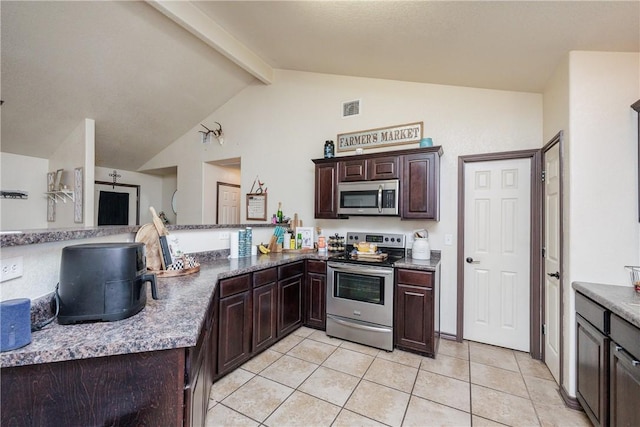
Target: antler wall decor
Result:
[215, 132]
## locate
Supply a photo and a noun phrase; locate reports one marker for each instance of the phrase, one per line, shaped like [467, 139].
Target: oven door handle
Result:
[380, 198]
[357, 326]
[364, 271]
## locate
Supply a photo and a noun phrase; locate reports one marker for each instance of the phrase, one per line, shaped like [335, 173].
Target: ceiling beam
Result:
[194, 20]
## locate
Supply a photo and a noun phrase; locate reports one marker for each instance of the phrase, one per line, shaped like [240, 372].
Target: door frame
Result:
[535, 337]
[557, 139]
[118, 184]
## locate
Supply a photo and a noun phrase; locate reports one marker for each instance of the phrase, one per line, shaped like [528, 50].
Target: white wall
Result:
[278, 129]
[602, 182]
[589, 97]
[28, 174]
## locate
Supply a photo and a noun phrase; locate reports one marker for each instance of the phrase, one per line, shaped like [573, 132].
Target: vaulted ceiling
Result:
[147, 74]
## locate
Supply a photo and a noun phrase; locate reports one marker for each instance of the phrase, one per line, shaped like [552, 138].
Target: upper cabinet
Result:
[418, 171]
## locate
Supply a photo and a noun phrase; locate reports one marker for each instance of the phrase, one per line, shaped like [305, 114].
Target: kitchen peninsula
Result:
[154, 368]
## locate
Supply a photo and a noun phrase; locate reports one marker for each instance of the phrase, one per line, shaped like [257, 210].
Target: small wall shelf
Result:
[60, 195]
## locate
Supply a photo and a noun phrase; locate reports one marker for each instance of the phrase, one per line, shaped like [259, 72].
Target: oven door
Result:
[360, 292]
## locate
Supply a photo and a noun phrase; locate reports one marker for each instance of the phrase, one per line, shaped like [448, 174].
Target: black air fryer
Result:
[103, 282]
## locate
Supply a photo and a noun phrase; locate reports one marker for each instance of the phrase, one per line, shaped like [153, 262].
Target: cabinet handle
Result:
[634, 362]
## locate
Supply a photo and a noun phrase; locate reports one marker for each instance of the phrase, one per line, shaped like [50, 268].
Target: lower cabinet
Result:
[416, 311]
[315, 305]
[137, 389]
[625, 373]
[265, 309]
[592, 352]
[608, 365]
[234, 330]
[290, 280]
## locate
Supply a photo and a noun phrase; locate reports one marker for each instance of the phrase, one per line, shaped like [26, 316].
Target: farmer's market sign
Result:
[380, 137]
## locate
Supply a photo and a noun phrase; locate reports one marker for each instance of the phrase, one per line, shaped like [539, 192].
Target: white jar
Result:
[421, 249]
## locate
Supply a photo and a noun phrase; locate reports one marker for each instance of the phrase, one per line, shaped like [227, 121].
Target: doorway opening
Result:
[222, 180]
[534, 241]
[120, 203]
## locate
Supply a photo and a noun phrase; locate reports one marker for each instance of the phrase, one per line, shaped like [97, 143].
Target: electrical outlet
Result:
[448, 239]
[224, 235]
[11, 268]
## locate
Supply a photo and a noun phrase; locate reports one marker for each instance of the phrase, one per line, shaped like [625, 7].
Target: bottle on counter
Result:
[279, 214]
[299, 241]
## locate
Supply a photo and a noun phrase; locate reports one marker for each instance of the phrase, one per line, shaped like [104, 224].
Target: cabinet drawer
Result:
[415, 277]
[594, 313]
[264, 277]
[314, 266]
[235, 285]
[625, 335]
[290, 270]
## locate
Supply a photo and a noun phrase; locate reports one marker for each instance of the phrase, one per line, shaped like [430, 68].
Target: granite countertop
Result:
[172, 321]
[621, 300]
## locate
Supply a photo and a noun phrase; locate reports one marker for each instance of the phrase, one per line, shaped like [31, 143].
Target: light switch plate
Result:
[448, 239]
[224, 235]
[10, 268]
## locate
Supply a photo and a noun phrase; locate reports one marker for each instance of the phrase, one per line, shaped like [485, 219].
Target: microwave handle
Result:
[380, 198]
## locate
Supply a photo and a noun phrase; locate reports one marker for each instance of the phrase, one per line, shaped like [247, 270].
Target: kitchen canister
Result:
[15, 323]
[328, 149]
[421, 249]
[234, 243]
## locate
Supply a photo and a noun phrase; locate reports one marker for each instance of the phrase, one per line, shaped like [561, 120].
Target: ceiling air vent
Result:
[351, 108]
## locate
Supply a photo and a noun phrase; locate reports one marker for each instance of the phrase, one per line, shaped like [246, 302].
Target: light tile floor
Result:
[309, 379]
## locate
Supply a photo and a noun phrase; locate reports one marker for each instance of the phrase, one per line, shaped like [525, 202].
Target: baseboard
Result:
[450, 337]
[570, 402]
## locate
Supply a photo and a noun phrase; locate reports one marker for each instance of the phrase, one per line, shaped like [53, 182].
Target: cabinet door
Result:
[421, 186]
[414, 318]
[625, 387]
[326, 191]
[265, 316]
[352, 170]
[316, 299]
[383, 168]
[592, 355]
[234, 333]
[290, 309]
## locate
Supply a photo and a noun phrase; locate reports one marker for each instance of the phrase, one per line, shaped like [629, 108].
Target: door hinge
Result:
[544, 329]
[543, 252]
[543, 175]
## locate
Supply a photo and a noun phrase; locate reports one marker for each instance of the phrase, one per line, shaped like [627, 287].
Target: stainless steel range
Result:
[360, 290]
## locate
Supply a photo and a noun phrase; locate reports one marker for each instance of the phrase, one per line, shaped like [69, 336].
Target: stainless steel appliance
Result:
[360, 290]
[369, 198]
[103, 282]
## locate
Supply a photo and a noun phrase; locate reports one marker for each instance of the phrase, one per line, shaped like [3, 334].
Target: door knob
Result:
[471, 261]
[556, 275]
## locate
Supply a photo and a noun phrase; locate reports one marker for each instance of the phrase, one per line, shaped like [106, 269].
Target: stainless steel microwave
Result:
[369, 197]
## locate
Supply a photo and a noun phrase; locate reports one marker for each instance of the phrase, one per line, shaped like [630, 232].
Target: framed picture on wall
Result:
[257, 206]
[307, 236]
[77, 196]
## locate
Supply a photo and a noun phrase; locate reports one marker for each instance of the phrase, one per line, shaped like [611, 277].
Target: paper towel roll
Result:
[233, 245]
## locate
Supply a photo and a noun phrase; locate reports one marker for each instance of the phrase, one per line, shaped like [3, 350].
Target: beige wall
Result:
[278, 129]
[589, 97]
[28, 174]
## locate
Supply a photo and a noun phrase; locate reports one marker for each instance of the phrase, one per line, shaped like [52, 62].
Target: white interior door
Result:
[497, 252]
[228, 204]
[552, 256]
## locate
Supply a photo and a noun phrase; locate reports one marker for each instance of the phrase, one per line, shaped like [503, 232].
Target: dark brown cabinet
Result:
[592, 353]
[316, 295]
[234, 331]
[326, 190]
[375, 168]
[417, 314]
[418, 170]
[265, 309]
[290, 279]
[421, 186]
[624, 383]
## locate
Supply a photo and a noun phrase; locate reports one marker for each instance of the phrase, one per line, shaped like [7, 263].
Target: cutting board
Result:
[148, 235]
